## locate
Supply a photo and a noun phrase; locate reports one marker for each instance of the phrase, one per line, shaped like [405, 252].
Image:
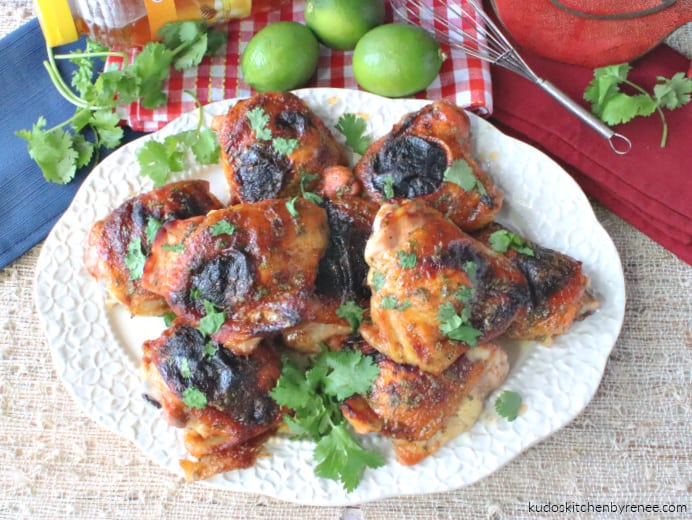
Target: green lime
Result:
[396, 60]
[281, 56]
[339, 24]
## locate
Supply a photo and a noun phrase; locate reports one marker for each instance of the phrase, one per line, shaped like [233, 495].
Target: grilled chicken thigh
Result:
[119, 244]
[421, 411]
[558, 289]
[250, 266]
[221, 400]
[436, 291]
[427, 156]
[269, 141]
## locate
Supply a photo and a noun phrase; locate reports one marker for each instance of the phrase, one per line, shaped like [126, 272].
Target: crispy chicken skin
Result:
[420, 263]
[227, 429]
[256, 263]
[558, 291]
[413, 158]
[254, 168]
[129, 230]
[421, 411]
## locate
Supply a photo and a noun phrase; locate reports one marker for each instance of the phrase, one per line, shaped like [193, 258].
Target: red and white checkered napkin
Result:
[462, 79]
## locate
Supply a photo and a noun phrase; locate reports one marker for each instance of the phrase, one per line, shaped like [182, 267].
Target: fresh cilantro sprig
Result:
[503, 239]
[614, 107]
[258, 120]
[353, 128]
[62, 149]
[314, 394]
[507, 405]
[157, 159]
[305, 179]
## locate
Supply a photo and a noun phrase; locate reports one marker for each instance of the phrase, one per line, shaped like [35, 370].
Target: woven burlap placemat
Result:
[631, 445]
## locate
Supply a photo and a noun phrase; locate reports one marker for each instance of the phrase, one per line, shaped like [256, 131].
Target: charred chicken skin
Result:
[118, 244]
[426, 274]
[221, 400]
[421, 411]
[254, 263]
[269, 141]
[411, 161]
[558, 290]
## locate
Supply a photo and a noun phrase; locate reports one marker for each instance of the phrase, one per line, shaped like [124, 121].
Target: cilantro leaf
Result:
[507, 405]
[352, 312]
[391, 303]
[407, 260]
[222, 227]
[388, 187]
[151, 229]
[457, 326]
[210, 349]
[350, 372]
[378, 280]
[185, 368]
[135, 259]
[503, 239]
[258, 122]
[168, 318]
[194, 398]
[621, 108]
[154, 161]
[284, 146]
[461, 174]
[205, 147]
[674, 92]
[291, 207]
[106, 123]
[352, 126]
[52, 150]
[213, 320]
[340, 457]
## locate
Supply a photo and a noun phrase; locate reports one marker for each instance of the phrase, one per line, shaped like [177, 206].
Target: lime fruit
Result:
[339, 24]
[396, 60]
[281, 56]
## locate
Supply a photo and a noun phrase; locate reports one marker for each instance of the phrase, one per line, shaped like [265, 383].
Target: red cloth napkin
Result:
[650, 187]
[462, 79]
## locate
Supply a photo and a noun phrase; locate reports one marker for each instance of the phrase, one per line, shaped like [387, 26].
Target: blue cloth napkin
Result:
[29, 205]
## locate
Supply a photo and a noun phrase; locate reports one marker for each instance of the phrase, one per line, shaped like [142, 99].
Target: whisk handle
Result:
[618, 142]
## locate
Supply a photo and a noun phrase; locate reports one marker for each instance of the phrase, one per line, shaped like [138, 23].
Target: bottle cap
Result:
[56, 21]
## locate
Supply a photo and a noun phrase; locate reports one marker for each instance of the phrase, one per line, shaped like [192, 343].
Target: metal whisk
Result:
[463, 24]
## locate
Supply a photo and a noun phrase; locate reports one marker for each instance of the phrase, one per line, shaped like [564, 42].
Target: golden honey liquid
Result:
[123, 24]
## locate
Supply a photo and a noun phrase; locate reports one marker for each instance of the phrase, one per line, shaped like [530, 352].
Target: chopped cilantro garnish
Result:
[258, 122]
[222, 227]
[388, 187]
[135, 259]
[152, 228]
[457, 326]
[194, 398]
[378, 280]
[502, 239]
[212, 321]
[351, 312]
[507, 405]
[284, 146]
[461, 174]
[407, 260]
[185, 368]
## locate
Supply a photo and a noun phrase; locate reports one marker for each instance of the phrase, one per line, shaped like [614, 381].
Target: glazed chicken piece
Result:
[411, 160]
[269, 141]
[436, 291]
[420, 411]
[252, 267]
[220, 399]
[119, 244]
[558, 289]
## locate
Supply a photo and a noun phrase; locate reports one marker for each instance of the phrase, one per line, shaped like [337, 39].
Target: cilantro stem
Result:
[104, 54]
[199, 106]
[664, 134]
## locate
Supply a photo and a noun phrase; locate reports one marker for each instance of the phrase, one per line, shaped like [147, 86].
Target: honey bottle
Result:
[124, 24]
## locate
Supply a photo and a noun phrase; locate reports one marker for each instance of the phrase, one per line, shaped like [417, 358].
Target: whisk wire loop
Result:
[463, 24]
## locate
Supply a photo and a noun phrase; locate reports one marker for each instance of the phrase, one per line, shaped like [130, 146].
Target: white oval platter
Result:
[96, 347]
